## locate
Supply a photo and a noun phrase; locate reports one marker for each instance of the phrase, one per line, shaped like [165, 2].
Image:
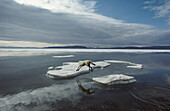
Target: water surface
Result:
[25, 86]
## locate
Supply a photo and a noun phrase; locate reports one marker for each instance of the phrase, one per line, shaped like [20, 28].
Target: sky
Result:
[95, 23]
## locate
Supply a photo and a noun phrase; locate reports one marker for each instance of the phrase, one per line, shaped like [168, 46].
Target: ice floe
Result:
[68, 69]
[101, 64]
[136, 66]
[65, 56]
[51, 67]
[117, 61]
[114, 79]
[131, 65]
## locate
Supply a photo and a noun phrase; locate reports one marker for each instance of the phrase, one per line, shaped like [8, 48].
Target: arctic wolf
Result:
[85, 63]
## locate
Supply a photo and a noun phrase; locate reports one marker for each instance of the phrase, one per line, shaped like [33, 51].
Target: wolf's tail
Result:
[93, 63]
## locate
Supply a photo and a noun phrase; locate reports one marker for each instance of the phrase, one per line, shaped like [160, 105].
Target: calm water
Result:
[25, 86]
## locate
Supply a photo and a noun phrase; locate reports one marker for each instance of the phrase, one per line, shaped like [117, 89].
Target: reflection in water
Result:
[86, 91]
[40, 99]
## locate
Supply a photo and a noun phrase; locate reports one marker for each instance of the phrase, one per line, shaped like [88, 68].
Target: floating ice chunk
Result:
[68, 69]
[136, 66]
[50, 76]
[117, 61]
[101, 64]
[66, 56]
[132, 65]
[115, 79]
[49, 68]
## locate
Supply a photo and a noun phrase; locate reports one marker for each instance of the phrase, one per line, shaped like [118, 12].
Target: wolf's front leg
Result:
[78, 68]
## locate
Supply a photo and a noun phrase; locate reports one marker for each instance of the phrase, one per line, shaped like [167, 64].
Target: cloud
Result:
[160, 7]
[40, 99]
[62, 6]
[34, 22]
[27, 44]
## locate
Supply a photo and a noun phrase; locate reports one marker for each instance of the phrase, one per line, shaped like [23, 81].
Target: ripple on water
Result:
[153, 96]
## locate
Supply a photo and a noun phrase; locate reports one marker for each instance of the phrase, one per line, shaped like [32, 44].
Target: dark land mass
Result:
[85, 47]
[130, 47]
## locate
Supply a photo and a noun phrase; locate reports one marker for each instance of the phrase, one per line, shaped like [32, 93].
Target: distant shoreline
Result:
[84, 47]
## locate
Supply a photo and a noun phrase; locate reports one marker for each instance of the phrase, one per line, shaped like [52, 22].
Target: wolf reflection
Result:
[86, 91]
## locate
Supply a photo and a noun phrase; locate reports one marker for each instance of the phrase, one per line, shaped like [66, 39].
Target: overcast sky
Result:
[102, 23]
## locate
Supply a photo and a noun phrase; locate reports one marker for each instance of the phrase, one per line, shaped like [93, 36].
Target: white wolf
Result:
[85, 63]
